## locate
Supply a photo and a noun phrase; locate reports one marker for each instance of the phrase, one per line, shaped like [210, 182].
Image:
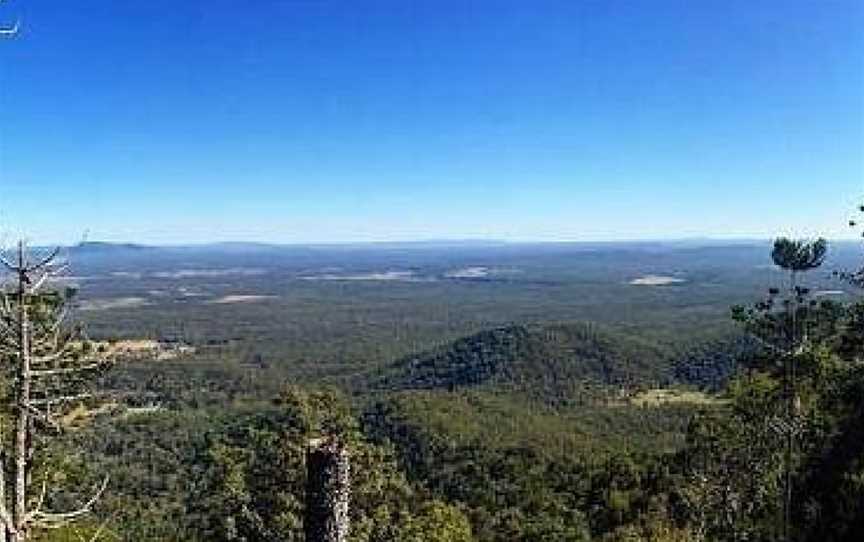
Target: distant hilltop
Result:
[102, 246]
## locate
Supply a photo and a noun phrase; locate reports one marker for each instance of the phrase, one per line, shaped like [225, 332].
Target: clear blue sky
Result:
[167, 121]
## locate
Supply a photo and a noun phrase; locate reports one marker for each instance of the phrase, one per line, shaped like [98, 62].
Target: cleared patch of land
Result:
[660, 397]
[135, 345]
[241, 299]
[186, 292]
[81, 414]
[209, 273]
[112, 303]
[127, 274]
[141, 411]
[656, 280]
[477, 272]
[408, 276]
[144, 349]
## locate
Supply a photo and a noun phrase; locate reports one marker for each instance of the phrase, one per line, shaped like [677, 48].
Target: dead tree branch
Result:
[50, 361]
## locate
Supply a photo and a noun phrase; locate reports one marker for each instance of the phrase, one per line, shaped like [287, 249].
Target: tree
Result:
[437, 522]
[328, 491]
[251, 479]
[781, 323]
[48, 364]
[734, 463]
[854, 277]
[852, 339]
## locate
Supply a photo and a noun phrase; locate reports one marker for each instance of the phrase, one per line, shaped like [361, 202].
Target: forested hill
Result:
[548, 358]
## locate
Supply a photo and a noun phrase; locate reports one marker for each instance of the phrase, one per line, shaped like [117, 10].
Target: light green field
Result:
[660, 397]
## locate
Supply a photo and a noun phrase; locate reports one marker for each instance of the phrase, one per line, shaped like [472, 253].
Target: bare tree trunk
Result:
[3, 530]
[22, 427]
[791, 392]
[36, 353]
[327, 491]
[6, 31]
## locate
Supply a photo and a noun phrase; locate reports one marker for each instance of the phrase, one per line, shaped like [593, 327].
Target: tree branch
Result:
[64, 399]
[54, 520]
[67, 370]
[44, 262]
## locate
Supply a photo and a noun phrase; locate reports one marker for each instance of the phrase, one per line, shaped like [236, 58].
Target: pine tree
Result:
[781, 324]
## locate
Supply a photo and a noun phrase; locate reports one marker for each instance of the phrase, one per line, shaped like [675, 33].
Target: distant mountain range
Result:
[433, 243]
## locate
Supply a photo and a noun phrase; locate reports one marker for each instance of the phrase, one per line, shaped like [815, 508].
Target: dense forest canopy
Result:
[534, 430]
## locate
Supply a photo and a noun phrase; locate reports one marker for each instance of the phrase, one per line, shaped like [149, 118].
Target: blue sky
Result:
[356, 120]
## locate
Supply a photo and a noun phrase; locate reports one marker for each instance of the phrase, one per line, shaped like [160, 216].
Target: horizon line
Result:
[441, 241]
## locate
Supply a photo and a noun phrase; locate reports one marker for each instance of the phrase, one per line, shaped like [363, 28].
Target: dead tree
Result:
[327, 491]
[48, 365]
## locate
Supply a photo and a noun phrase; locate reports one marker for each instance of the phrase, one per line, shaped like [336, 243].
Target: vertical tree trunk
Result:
[3, 531]
[791, 391]
[327, 491]
[18, 343]
[22, 427]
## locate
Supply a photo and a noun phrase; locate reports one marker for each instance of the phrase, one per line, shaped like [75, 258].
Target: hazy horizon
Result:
[478, 241]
